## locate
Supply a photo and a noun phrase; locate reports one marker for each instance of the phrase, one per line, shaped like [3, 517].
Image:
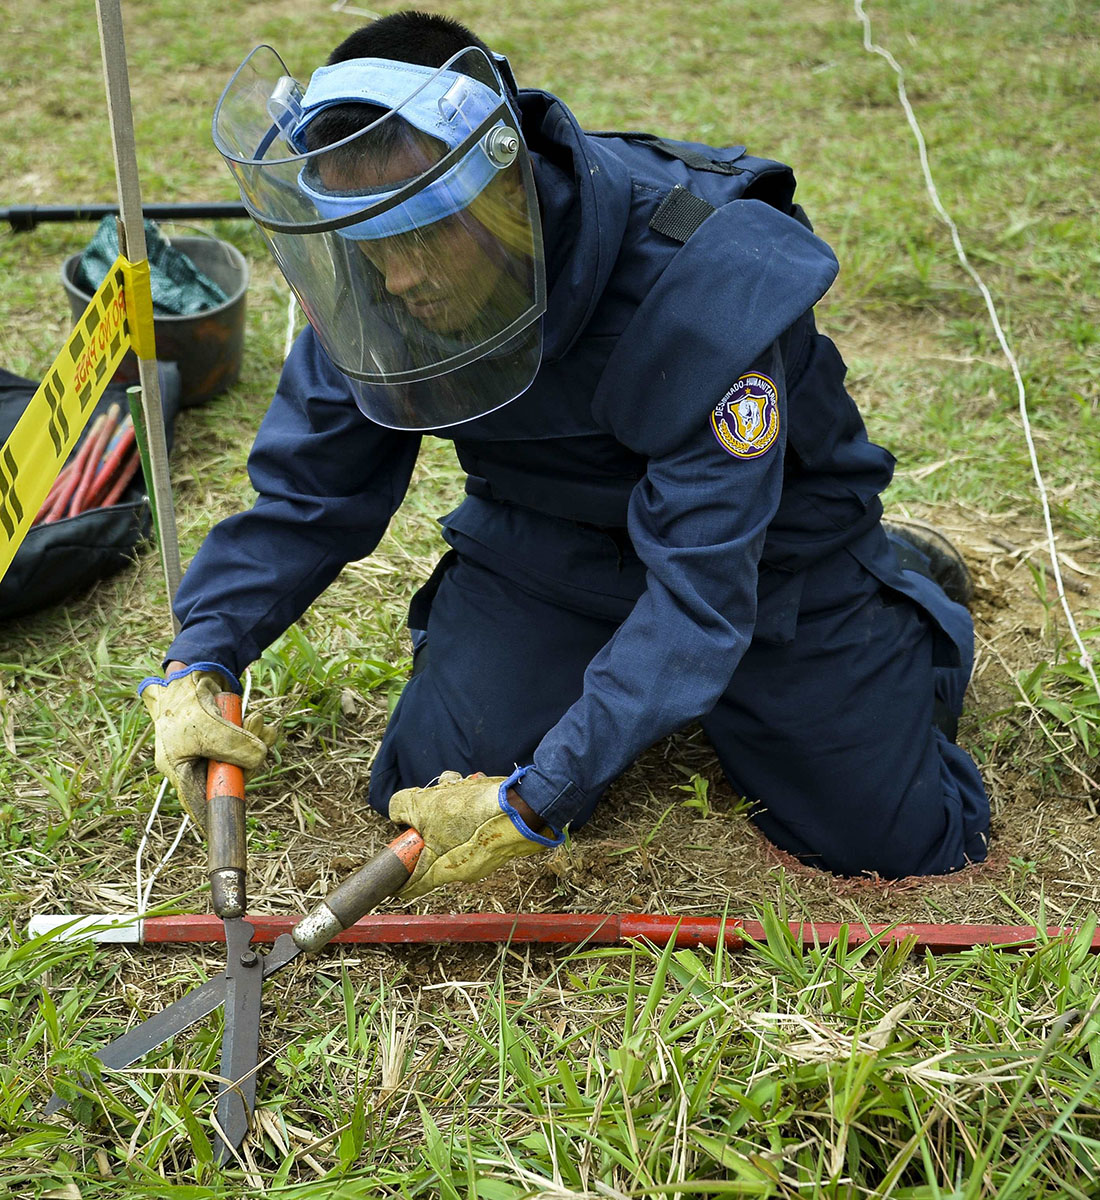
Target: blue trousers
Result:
[826, 727]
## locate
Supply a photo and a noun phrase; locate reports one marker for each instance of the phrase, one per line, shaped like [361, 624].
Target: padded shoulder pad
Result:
[746, 275]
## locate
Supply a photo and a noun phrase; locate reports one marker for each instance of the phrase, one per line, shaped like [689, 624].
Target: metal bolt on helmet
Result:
[501, 146]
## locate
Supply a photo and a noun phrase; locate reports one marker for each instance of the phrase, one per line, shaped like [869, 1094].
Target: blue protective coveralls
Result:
[678, 521]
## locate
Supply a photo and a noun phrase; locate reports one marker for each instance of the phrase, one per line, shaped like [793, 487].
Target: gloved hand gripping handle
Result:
[384, 876]
[227, 838]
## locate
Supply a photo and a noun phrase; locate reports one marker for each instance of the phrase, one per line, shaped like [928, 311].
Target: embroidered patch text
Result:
[746, 420]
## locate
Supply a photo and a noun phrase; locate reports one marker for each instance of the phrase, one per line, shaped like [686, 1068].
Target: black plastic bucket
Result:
[208, 346]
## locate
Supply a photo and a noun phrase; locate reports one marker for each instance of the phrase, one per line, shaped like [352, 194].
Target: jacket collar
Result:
[584, 194]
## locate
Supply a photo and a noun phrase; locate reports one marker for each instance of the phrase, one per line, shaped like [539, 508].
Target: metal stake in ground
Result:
[132, 243]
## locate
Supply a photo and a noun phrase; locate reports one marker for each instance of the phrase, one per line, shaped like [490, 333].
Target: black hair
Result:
[413, 37]
[422, 38]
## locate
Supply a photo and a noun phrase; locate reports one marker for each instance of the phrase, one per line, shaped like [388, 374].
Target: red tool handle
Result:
[385, 874]
[59, 506]
[115, 459]
[226, 834]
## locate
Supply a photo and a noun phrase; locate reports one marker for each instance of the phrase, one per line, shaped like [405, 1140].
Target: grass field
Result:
[501, 1073]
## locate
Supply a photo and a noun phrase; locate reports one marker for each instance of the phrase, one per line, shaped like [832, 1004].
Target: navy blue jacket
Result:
[644, 336]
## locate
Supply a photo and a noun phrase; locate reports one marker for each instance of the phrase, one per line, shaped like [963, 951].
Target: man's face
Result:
[443, 273]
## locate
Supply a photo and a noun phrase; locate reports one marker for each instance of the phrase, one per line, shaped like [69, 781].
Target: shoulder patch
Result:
[746, 420]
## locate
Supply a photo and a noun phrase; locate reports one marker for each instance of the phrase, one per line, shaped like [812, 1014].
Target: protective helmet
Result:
[413, 240]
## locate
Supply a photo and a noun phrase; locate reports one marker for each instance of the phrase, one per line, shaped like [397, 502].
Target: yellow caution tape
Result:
[139, 307]
[52, 422]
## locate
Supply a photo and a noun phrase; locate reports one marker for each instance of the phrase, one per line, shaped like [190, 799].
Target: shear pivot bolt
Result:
[248, 958]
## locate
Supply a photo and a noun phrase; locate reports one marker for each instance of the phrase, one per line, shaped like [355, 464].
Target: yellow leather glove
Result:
[190, 730]
[468, 826]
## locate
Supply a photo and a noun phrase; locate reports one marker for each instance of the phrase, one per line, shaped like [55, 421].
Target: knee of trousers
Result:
[938, 825]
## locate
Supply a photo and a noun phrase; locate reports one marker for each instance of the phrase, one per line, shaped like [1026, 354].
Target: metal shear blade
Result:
[244, 977]
[240, 985]
[179, 1016]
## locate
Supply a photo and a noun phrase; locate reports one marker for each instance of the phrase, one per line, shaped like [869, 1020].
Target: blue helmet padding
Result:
[447, 106]
[450, 193]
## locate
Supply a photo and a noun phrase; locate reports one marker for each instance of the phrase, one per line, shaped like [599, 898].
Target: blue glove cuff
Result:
[516, 819]
[155, 680]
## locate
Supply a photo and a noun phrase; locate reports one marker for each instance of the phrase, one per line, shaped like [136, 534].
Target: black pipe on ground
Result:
[22, 217]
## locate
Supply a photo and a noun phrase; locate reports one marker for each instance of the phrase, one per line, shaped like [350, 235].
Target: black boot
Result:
[922, 548]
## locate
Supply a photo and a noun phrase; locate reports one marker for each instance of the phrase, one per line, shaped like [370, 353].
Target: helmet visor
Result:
[399, 203]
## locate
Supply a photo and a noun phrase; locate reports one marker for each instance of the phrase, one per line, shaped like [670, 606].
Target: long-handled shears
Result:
[239, 986]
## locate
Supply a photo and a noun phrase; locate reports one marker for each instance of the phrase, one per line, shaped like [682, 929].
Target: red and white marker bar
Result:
[545, 928]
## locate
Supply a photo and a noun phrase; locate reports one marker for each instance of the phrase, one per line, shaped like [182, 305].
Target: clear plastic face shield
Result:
[413, 241]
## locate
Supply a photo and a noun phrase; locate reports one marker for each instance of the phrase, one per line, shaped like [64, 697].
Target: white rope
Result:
[1086, 659]
[144, 892]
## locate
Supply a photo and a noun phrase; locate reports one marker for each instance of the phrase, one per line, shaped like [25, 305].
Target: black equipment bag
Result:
[56, 561]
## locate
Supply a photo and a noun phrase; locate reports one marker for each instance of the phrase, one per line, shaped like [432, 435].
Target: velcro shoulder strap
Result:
[680, 214]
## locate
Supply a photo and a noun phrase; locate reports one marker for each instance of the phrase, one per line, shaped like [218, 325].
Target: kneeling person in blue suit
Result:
[672, 508]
